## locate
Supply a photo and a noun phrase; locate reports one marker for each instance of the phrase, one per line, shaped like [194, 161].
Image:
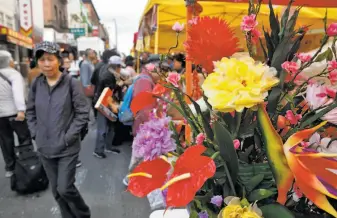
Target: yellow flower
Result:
[232, 211]
[238, 83]
[250, 214]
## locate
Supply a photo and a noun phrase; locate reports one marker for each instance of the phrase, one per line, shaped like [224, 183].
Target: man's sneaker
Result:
[126, 181]
[79, 163]
[112, 150]
[9, 174]
[99, 155]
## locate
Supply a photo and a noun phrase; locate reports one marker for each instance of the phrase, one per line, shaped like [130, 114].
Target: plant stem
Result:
[238, 116]
[231, 184]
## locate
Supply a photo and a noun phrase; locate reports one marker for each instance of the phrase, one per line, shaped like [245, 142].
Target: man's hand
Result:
[20, 116]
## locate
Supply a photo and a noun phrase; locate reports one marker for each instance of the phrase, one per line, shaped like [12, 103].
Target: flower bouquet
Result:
[263, 132]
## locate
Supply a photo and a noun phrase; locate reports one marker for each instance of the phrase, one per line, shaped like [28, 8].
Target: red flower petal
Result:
[200, 167]
[141, 101]
[159, 90]
[141, 186]
[210, 39]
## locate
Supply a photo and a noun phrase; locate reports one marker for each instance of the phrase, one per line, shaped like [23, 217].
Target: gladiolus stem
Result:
[176, 179]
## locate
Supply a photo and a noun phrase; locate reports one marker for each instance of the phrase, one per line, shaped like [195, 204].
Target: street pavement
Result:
[99, 181]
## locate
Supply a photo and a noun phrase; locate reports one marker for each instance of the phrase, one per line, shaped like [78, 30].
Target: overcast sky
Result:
[127, 14]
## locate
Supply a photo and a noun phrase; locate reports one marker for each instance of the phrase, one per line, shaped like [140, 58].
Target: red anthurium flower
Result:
[190, 173]
[148, 176]
[142, 100]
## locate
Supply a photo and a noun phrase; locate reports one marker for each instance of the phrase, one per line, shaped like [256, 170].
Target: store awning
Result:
[171, 11]
[16, 38]
[306, 3]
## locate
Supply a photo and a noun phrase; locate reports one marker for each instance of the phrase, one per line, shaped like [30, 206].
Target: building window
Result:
[9, 22]
[2, 19]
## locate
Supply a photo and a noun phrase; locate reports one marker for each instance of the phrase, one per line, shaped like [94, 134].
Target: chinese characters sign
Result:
[26, 23]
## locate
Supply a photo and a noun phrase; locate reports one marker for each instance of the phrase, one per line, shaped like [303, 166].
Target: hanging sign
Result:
[26, 21]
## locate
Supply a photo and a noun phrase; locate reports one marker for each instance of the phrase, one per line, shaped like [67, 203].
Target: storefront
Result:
[18, 45]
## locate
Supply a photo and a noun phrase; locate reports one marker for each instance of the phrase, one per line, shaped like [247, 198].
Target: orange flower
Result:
[210, 39]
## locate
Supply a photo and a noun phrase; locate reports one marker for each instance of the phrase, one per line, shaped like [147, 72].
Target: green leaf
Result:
[227, 150]
[270, 44]
[229, 120]
[194, 214]
[284, 19]
[274, 25]
[289, 30]
[318, 115]
[330, 55]
[324, 56]
[276, 211]
[244, 156]
[260, 194]
[205, 122]
[254, 182]
[273, 99]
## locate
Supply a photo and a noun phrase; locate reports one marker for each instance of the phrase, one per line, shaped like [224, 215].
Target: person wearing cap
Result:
[12, 110]
[105, 128]
[57, 111]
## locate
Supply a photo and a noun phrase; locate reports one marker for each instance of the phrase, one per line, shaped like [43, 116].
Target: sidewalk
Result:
[99, 181]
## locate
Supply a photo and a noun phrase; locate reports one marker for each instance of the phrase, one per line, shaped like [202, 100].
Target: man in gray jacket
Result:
[57, 111]
[12, 110]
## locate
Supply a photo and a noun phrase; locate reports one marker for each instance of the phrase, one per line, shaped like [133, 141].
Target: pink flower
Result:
[333, 77]
[249, 23]
[304, 57]
[290, 66]
[178, 27]
[315, 101]
[255, 36]
[293, 118]
[332, 30]
[174, 79]
[330, 92]
[332, 65]
[236, 143]
[200, 138]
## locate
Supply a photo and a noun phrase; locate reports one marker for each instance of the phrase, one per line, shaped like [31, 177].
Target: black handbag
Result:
[29, 175]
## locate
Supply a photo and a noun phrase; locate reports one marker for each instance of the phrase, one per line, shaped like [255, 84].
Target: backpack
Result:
[29, 175]
[125, 114]
[85, 129]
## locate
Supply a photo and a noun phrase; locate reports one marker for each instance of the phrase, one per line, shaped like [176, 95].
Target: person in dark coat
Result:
[57, 111]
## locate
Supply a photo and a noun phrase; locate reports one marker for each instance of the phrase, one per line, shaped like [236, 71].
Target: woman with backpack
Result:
[12, 110]
[57, 111]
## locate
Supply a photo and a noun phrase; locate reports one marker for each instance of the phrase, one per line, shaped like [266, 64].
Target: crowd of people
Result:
[63, 90]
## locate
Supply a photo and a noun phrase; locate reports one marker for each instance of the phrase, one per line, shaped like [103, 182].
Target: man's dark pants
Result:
[61, 174]
[8, 125]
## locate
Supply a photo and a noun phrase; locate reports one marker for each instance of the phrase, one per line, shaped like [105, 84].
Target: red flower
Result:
[190, 173]
[199, 168]
[148, 176]
[142, 100]
[210, 39]
[159, 90]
